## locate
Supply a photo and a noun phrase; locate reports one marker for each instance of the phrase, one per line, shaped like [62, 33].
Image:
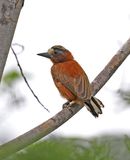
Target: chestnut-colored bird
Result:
[71, 80]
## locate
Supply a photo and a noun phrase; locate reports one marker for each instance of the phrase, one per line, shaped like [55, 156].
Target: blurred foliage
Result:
[11, 77]
[11, 98]
[127, 142]
[9, 88]
[101, 148]
[124, 95]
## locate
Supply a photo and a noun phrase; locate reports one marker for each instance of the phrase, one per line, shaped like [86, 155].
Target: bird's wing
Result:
[72, 76]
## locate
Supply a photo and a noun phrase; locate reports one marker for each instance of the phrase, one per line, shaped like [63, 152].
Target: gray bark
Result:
[9, 13]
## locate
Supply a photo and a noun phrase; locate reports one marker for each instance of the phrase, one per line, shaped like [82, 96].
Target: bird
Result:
[71, 80]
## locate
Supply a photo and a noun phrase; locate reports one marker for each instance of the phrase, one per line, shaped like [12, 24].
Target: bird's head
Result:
[57, 54]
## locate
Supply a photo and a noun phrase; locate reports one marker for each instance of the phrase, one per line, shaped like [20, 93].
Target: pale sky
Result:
[93, 31]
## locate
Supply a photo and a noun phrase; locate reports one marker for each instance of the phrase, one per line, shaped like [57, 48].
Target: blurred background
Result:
[93, 31]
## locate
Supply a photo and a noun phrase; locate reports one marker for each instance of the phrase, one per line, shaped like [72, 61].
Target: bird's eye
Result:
[58, 51]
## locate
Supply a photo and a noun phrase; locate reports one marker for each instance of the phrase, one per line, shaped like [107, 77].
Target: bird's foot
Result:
[66, 105]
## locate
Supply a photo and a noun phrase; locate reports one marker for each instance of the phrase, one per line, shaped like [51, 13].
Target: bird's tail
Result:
[94, 105]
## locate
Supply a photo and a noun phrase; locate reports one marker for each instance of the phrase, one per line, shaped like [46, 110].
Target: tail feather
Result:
[94, 105]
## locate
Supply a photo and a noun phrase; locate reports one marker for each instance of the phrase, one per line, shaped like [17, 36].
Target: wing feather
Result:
[73, 77]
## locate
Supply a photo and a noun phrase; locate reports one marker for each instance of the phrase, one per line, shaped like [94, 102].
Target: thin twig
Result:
[21, 71]
[60, 118]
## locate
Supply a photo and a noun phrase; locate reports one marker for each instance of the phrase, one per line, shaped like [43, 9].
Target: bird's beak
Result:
[47, 55]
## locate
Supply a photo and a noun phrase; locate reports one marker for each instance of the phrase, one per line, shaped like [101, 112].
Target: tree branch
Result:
[64, 115]
[9, 13]
[26, 82]
[111, 67]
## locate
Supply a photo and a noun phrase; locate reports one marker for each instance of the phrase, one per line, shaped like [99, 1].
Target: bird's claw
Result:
[66, 105]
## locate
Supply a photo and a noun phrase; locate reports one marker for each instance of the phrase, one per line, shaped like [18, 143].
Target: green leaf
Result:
[11, 77]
